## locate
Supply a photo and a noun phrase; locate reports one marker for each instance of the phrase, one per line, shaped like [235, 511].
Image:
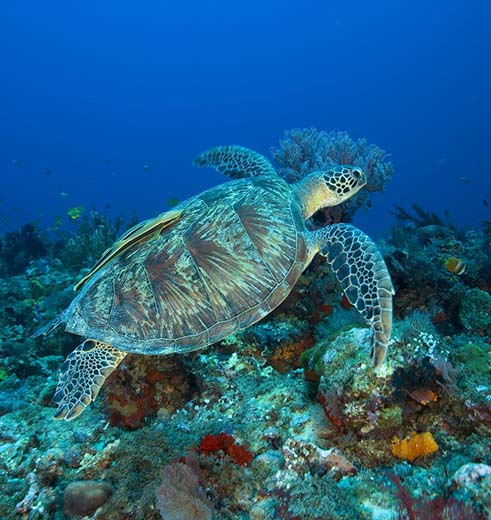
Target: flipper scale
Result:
[82, 375]
[237, 162]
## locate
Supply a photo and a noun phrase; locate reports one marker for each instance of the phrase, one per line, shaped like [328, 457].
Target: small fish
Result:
[486, 203]
[17, 162]
[63, 194]
[107, 161]
[465, 180]
[75, 212]
[454, 265]
[146, 167]
[47, 172]
[173, 201]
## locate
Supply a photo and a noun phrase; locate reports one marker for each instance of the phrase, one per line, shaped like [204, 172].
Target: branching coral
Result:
[94, 233]
[422, 217]
[304, 151]
[18, 248]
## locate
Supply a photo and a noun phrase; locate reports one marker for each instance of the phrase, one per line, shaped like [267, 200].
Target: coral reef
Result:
[83, 243]
[475, 311]
[145, 386]
[473, 481]
[19, 248]
[284, 420]
[303, 151]
[224, 442]
[438, 508]
[417, 253]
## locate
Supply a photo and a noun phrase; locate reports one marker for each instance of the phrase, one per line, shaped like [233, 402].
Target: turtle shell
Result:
[232, 257]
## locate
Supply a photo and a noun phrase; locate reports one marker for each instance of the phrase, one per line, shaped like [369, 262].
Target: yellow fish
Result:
[75, 212]
[454, 265]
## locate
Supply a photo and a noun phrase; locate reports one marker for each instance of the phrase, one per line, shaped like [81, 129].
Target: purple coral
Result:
[180, 497]
[438, 508]
[304, 151]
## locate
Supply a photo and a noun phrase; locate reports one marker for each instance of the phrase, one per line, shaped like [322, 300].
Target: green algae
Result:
[312, 358]
[3, 374]
[475, 358]
[391, 417]
[475, 311]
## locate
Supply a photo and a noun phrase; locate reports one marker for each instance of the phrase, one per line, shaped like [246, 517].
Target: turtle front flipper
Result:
[363, 275]
[82, 375]
[235, 161]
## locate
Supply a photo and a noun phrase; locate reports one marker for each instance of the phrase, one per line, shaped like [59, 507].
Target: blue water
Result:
[107, 103]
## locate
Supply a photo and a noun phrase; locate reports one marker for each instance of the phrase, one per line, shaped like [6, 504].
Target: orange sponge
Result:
[414, 446]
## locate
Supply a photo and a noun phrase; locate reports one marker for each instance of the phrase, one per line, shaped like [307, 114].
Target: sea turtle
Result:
[215, 264]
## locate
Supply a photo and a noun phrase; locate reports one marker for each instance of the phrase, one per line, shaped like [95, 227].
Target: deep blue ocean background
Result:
[105, 104]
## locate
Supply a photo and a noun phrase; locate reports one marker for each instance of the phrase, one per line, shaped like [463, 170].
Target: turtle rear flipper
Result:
[235, 161]
[82, 375]
[360, 269]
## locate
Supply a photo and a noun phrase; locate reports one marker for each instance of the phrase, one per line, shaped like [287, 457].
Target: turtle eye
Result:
[357, 173]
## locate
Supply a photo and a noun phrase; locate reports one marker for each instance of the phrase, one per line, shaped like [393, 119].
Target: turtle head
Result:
[326, 188]
[340, 183]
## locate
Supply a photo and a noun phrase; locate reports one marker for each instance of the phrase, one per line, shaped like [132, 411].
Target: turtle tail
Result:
[49, 327]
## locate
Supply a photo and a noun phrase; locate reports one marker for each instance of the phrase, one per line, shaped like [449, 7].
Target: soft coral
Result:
[438, 508]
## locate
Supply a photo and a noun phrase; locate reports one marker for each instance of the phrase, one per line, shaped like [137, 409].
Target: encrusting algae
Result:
[414, 446]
